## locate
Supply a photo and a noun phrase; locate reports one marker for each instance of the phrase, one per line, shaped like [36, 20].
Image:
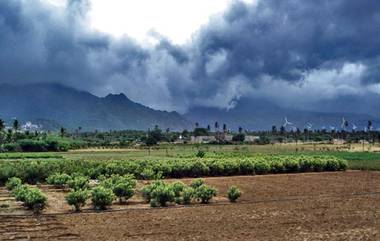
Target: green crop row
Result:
[29, 155]
[37, 171]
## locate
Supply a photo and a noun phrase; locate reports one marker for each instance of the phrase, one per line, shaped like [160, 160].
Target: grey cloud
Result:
[247, 51]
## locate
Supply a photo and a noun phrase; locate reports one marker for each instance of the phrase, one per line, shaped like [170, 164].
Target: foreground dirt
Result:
[315, 206]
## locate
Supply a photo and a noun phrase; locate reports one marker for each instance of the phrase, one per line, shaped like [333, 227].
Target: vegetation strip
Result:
[38, 171]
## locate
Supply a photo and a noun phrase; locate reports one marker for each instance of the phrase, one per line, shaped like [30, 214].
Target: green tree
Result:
[2, 125]
[16, 125]
[200, 132]
[62, 132]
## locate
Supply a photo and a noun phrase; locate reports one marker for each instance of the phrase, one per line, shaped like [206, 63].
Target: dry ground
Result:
[313, 206]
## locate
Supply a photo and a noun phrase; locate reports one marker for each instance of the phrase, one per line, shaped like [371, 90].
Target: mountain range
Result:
[55, 105]
[72, 109]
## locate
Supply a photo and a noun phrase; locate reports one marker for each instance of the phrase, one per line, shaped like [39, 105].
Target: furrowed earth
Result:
[307, 206]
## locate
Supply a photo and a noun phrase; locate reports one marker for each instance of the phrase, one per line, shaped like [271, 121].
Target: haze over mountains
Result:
[72, 108]
[55, 105]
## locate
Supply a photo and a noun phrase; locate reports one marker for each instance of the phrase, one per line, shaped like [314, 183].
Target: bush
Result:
[163, 194]
[35, 199]
[233, 193]
[11, 147]
[205, 193]
[122, 186]
[123, 190]
[28, 145]
[102, 197]
[177, 188]
[12, 183]
[58, 180]
[197, 183]
[154, 203]
[115, 179]
[20, 193]
[78, 183]
[200, 154]
[187, 195]
[147, 190]
[77, 199]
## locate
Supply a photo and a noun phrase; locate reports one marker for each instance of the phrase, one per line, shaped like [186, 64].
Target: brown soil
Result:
[313, 206]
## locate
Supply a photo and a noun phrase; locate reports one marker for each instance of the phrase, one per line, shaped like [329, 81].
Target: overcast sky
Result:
[177, 54]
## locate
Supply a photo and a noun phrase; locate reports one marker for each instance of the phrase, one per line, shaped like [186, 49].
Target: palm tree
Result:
[274, 129]
[216, 126]
[62, 132]
[2, 125]
[16, 125]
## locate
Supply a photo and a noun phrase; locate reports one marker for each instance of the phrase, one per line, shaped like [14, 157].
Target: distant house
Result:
[251, 138]
[29, 126]
[202, 139]
[227, 137]
[338, 141]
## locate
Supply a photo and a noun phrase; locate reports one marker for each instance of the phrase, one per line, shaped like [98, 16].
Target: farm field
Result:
[306, 206]
[369, 159]
[287, 193]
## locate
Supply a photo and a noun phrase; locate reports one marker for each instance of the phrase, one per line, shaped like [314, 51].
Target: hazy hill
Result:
[54, 105]
[72, 108]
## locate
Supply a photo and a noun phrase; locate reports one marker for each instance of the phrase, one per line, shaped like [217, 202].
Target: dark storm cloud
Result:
[314, 50]
[284, 38]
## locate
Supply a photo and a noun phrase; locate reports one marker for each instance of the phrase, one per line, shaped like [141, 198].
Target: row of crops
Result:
[34, 171]
[103, 194]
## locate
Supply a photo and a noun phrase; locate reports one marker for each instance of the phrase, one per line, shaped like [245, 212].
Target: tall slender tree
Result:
[16, 125]
[216, 125]
[2, 125]
[62, 132]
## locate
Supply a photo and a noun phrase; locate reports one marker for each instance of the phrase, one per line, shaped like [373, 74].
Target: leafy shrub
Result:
[77, 199]
[200, 154]
[122, 186]
[11, 147]
[291, 165]
[187, 195]
[35, 199]
[101, 197]
[123, 191]
[163, 194]
[262, 167]
[115, 179]
[78, 183]
[154, 203]
[150, 174]
[28, 145]
[58, 180]
[197, 183]
[12, 183]
[205, 193]
[177, 188]
[20, 193]
[147, 190]
[233, 193]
